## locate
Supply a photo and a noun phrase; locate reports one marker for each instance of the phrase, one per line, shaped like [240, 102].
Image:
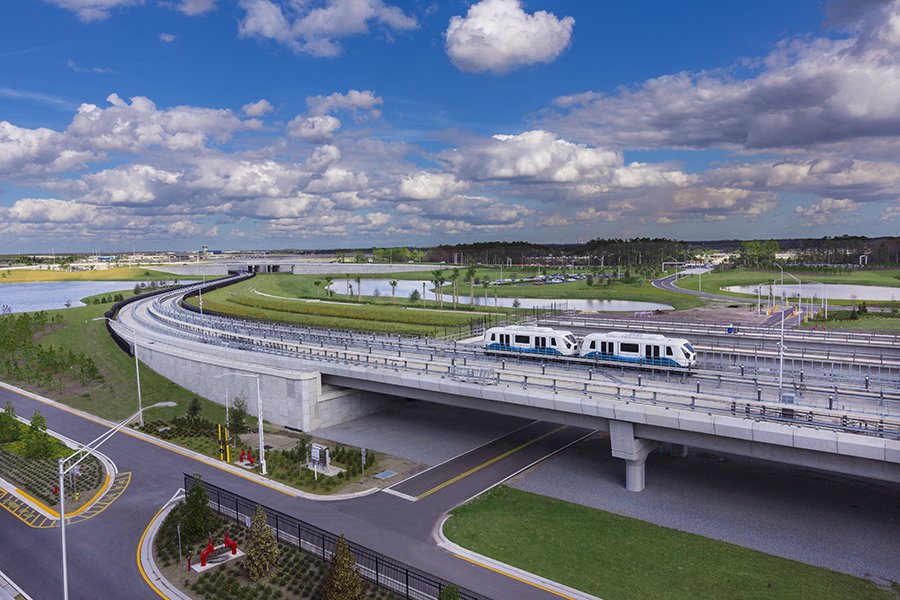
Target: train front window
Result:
[689, 349]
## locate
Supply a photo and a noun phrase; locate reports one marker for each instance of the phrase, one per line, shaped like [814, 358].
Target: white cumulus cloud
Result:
[498, 36]
[315, 26]
[257, 109]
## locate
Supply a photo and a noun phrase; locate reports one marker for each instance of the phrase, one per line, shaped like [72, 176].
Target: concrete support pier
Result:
[633, 450]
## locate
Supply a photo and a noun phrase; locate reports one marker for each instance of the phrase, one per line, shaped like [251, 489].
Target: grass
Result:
[115, 397]
[618, 558]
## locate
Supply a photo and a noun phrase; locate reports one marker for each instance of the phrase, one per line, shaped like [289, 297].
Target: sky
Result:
[266, 124]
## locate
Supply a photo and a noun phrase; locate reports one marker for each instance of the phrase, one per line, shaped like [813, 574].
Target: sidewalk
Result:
[10, 591]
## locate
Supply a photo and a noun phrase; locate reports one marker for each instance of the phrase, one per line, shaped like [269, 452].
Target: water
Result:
[52, 295]
[382, 288]
[831, 291]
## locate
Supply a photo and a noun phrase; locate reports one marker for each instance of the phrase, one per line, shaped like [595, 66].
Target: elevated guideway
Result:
[313, 378]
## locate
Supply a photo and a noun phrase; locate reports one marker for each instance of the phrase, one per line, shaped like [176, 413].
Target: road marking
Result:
[400, 495]
[33, 518]
[475, 562]
[141, 545]
[490, 462]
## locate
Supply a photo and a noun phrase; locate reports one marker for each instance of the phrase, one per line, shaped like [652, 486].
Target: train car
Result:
[639, 349]
[530, 340]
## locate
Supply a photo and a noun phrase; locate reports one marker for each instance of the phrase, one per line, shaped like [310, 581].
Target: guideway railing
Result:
[397, 577]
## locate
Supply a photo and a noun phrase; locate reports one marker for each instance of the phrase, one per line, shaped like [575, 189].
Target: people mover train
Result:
[645, 349]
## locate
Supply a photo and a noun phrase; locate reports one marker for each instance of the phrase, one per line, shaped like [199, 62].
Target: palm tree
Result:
[485, 283]
[393, 285]
[435, 276]
[454, 277]
[328, 281]
[441, 281]
[470, 275]
[317, 284]
[358, 288]
[347, 275]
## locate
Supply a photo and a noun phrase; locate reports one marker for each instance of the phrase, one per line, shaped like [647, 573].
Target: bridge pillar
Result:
[633, 450]
[679, 450]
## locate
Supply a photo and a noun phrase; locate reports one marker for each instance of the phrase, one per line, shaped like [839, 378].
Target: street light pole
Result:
[63, 470]
[781, 343]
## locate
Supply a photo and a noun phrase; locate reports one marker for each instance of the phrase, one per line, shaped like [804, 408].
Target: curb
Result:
[9, 590]
[147, 565]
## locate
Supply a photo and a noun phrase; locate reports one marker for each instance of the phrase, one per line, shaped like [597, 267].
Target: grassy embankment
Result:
[619, 558]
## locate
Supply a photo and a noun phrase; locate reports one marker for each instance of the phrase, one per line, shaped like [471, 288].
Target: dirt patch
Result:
[714, 312]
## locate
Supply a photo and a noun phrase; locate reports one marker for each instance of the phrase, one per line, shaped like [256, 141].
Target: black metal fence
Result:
[397, 577]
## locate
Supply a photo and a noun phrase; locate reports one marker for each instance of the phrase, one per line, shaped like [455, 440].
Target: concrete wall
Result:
[292, 392]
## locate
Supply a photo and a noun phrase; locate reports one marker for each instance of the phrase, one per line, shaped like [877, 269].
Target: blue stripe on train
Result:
[504, 348]
[660, 362]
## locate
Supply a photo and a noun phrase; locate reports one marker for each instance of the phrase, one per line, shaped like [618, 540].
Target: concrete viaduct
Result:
[316, 387]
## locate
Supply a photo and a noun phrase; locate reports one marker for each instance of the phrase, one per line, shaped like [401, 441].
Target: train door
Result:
[651, 353]
[541, 344]
[504, 339]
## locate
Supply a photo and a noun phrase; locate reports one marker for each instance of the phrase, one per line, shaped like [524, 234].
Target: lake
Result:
[51, 295]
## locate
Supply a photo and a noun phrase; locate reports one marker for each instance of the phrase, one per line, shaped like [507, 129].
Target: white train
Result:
[646, 349]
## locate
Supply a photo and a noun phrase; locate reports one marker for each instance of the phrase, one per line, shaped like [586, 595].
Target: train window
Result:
[635, 348]
[493, 337]
[523, 339]
[552, 341]
[593, 345]
[668, 350]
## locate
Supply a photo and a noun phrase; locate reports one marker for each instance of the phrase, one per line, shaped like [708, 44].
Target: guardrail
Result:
[397, 577]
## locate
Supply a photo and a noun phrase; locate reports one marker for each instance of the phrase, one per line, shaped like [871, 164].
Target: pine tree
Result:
[451, 592]
[9, 426]
[199, 519]
[342, 581]
[38, 443]
[262, 549]
[237, 416]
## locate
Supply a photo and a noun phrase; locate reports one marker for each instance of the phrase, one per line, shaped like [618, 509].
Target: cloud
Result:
[807, 92]
[498, 36]
[827, 211]
[352, 101]
[92, 10]
[315, 130]
[430, 186]
[167, 37]
[196, 7]
[138, 126]
[257, 109]
[71, 64]
[315, 27]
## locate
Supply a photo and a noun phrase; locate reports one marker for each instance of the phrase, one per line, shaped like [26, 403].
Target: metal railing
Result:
[399, 578]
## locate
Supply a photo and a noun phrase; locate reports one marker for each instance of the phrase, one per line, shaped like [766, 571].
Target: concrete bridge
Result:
[313, 384]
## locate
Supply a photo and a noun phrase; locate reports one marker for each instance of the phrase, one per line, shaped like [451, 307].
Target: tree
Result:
[304, 444]
[393, 285]
[342, 581]
[262, 548]
[414, 297]
[199, 520]
[358, 281]
[485, 283]
[328, 281]
[38, 443]
[9, 425]
[451, 592]
[317, 284]
[237, 416]
[194, 409]
[470, 277]
[454, 277]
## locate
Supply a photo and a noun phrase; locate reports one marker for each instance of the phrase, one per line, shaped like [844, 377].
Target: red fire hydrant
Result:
[231, 544]
[209, 550]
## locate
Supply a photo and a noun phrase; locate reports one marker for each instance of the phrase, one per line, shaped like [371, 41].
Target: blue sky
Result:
[353, 123]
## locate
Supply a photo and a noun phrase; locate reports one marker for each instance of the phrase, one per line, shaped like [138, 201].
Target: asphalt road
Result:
[102, 551]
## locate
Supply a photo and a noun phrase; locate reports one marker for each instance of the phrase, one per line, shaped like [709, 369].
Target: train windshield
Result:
[687, 351]
[570, 341]
[688, 346]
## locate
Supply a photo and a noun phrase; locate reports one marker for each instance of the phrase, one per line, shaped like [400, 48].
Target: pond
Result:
[51, 295]
[831, 291]
[382, 288]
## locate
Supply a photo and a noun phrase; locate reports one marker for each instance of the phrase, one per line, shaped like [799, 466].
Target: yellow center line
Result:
[490, 462]
[514, 577]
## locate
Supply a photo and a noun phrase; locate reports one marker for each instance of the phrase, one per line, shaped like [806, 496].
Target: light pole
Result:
[262, 447]
[90, 448]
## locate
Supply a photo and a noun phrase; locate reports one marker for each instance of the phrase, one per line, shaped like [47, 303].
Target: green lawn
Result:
[117, 274]
[618, 558]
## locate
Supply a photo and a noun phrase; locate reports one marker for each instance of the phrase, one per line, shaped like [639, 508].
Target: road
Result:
[102, 551]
